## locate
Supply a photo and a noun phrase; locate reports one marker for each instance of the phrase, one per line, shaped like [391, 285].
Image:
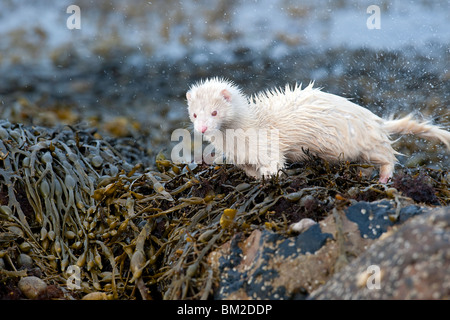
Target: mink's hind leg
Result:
[383, 156]
[386, 172]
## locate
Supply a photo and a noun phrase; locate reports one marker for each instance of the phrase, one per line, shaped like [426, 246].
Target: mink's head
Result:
[212, 104]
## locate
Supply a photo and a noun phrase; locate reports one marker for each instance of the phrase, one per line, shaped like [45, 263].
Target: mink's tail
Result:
[426, 130]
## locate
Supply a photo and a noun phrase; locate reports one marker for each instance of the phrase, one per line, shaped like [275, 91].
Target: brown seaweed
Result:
[71, 198]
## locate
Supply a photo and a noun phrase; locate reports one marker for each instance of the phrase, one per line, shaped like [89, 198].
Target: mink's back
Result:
[323, 123]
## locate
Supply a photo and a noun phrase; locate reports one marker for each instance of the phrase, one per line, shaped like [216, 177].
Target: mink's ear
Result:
[188, 96]
[226, 95]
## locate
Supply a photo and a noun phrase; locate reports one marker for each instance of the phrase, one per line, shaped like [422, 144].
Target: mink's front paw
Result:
[268, 171]
[250, 171]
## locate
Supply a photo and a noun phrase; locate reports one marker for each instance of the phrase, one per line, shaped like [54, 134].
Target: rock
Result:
[24, 261]
[33, 287]
[410, 263]
[268, 265]
[302, 225]
[374, 218]
[96, 296]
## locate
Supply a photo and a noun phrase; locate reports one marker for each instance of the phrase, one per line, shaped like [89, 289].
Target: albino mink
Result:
[327, 125]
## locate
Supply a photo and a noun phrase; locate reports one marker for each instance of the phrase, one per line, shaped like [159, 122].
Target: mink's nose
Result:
[204, 128]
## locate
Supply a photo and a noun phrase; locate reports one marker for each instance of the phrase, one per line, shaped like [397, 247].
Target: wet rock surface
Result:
[374, 219]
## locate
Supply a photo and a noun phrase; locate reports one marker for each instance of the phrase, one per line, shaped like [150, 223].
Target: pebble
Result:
[302, 225]
[25, 261]
[96, 296]
[33, 287]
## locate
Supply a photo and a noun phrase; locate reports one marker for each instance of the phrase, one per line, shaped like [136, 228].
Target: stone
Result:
[411, 262]
[33, 287]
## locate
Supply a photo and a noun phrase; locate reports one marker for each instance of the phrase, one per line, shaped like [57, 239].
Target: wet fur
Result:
[329, 126]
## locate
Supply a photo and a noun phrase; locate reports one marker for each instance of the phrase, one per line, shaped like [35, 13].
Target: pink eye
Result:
[195, 115]
[214, 113]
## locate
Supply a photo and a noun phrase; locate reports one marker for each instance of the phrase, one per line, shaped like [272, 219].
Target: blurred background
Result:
[126, 70]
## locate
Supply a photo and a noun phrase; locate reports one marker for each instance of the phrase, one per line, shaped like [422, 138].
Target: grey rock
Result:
[409, 263]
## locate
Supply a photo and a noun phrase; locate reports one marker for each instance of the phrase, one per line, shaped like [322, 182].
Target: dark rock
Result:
[255, 268]
[373, 219]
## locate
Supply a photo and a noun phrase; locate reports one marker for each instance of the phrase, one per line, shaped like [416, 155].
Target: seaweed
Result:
[73, 199]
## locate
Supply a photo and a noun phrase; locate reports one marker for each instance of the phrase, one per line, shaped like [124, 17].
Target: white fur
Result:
[329, 126]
